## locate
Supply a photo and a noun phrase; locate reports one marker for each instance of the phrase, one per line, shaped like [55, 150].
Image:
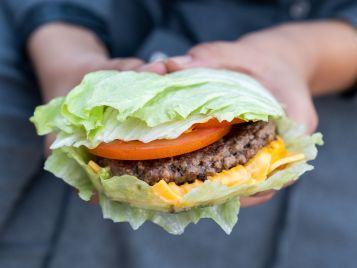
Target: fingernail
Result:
[182, 59]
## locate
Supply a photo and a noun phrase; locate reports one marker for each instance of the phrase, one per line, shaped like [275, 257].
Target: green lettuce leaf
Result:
[110, 105]
[128, 199]
[225, 215]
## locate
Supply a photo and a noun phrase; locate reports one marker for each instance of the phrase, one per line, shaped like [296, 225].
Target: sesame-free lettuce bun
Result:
[109, 106]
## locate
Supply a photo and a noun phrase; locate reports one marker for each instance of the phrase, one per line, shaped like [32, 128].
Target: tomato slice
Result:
[215, 123]
[137, 150]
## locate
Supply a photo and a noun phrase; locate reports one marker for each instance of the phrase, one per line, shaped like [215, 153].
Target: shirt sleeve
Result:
[31, 14]
[349, 14]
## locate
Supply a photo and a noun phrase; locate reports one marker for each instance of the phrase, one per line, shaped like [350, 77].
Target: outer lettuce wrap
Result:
[109, 105]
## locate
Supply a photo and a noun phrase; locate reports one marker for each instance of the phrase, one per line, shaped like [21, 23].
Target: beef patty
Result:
[237, 147]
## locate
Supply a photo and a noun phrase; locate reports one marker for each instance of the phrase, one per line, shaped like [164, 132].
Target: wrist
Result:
[59, 52]
[305, 55]
[322, 53]
[57, 43]
[281, 43]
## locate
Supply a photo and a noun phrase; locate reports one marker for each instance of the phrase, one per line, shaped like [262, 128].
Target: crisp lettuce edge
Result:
[70, 165]
[110, 105]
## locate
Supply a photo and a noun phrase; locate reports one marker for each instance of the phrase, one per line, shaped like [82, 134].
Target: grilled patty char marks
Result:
[236, 148]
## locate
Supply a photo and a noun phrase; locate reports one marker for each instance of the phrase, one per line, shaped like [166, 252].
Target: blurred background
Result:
[43, 223]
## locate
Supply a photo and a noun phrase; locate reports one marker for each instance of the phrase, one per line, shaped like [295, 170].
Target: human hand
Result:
[274, 61]
[281, 74]
[62, 54]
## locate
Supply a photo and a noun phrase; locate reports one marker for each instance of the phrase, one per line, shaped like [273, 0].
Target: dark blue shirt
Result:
[43, 223]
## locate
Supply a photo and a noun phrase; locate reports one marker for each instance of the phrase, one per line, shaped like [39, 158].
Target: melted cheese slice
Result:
[94, 166]
[234, 176]
[257, 169]
[166, 192]
[286, 160]
[171, 192]
[258, 166]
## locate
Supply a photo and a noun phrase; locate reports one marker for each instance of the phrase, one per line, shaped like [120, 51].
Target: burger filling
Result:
[241, 144]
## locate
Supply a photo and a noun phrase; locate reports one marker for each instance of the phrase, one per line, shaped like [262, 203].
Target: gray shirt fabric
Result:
[43, 223]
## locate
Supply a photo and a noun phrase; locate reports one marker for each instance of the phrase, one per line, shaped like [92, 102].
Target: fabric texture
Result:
[37, 13]
[44, 224]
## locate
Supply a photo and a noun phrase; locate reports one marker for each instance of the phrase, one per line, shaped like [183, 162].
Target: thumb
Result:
[187, 61]
[207, 55]
[125, 64]
[179, 63]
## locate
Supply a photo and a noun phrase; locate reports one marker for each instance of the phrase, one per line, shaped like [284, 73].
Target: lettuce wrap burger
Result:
[173, 149]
